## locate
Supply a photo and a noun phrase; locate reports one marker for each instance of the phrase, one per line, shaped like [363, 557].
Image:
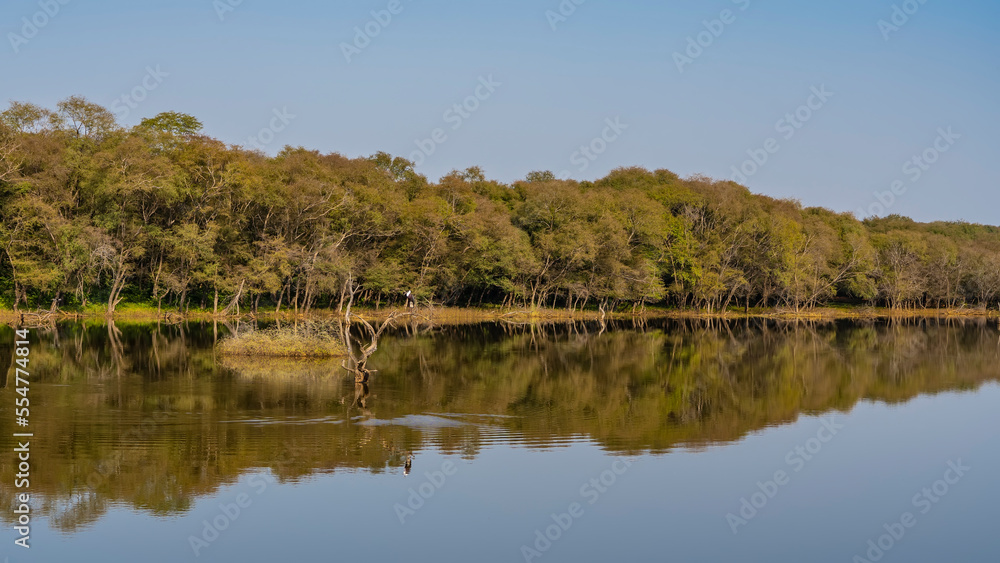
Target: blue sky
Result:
[556, 83]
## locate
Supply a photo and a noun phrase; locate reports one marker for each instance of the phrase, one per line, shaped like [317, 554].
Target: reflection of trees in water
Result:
[630, 388]
[6, 353]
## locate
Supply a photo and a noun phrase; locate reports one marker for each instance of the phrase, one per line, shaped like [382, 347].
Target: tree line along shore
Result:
[95, 216]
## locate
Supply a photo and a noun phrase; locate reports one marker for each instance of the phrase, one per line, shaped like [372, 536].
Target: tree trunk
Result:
[308, 299]
[295, 301]
[236, 300]
[117, 285]
[343, 293]
[350, 300]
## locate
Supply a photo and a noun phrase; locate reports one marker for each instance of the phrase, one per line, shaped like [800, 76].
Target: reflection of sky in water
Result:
[668, 507]
[412, 421]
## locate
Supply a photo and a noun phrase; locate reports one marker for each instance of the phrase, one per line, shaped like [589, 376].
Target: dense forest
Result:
[93, 214]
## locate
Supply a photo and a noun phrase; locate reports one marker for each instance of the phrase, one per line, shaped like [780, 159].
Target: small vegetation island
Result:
[311, 340]
[101, 219]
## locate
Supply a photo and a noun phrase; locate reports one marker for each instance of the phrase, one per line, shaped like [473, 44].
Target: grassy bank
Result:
[450, 315]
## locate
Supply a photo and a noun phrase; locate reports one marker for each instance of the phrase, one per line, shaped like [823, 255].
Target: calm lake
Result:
[657, 441]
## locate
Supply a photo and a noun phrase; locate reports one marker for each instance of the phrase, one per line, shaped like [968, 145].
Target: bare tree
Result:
[114, 262]
[360, 358]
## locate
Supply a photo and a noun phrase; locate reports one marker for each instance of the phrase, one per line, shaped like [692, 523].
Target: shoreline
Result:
[461, 315]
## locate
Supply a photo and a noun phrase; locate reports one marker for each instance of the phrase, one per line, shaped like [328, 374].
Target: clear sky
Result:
[549, 84]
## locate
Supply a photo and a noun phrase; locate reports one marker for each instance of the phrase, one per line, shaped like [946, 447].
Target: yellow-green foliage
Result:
[304, 340]
[633, 238]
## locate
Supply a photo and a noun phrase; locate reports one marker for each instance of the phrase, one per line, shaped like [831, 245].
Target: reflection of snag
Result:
[361, 394]
[6, 357]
